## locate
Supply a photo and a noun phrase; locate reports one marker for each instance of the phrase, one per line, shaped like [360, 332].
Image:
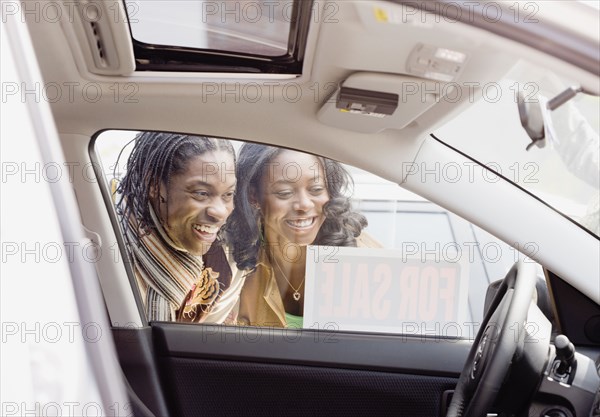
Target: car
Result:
[470, 130]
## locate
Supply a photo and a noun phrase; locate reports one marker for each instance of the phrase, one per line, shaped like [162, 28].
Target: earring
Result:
[261, 236]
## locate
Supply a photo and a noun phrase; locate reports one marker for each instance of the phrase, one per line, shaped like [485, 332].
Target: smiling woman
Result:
[174, 199]
[287, 200]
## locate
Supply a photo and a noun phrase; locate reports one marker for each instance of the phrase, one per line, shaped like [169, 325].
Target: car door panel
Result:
[291, 372]
[137, 357]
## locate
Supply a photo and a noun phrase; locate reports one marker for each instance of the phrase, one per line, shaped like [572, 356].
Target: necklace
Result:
[296, 294]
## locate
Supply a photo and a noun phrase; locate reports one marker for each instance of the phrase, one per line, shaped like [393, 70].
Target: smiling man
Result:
[175, 197]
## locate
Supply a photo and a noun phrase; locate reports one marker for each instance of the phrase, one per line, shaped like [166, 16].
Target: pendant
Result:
[297, 296]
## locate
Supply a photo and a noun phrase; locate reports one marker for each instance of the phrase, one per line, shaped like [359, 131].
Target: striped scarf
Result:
[174, 283]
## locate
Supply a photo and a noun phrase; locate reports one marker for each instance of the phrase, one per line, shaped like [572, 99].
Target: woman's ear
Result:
[253, 198]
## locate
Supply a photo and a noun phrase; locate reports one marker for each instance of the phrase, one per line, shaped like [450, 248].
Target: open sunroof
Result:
[246, 36]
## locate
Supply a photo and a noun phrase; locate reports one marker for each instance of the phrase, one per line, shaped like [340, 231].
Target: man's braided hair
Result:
[155, 158]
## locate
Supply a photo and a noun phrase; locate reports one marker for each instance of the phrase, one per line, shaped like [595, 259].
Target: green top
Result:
[294, 322]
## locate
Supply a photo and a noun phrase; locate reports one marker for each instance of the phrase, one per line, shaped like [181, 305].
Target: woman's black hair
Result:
[155, 158]
[341, 227]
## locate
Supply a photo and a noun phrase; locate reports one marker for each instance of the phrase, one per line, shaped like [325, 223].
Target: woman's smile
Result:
[301, 223]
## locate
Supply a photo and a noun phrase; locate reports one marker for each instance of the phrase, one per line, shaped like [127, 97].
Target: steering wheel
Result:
[499, 338]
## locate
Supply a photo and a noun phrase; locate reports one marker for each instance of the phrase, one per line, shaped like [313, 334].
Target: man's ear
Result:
[152, 193]
[156, 195]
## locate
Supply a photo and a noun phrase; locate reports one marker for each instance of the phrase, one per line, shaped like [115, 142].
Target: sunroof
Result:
[240, 36]
[257, 27]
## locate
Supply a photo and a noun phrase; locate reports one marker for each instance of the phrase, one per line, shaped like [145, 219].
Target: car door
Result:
[327, 367]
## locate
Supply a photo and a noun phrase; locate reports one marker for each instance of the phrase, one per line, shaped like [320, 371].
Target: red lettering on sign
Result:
[448, 293]
[341, 310]
[361, 297]
[409, 291]
[382, 276]
[429, 284]
[326, 284]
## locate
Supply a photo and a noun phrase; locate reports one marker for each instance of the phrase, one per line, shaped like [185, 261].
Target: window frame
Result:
[460, 229]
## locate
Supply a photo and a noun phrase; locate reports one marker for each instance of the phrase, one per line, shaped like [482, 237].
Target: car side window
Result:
[289, 239]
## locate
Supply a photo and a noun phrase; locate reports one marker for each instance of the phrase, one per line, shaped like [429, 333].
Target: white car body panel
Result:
[54, 359]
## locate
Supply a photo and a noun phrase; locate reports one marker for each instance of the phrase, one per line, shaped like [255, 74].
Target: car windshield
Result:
[563, 169]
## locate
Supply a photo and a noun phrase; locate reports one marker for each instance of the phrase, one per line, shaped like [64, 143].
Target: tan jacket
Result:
[260, 301]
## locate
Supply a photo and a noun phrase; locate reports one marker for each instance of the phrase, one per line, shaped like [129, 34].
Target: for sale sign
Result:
[371, 289]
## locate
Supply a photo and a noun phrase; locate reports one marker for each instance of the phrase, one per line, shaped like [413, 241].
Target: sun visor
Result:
[371, 102]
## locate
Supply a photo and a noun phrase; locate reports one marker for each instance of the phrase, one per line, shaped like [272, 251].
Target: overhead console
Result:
[371, 102]
[397, 82]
